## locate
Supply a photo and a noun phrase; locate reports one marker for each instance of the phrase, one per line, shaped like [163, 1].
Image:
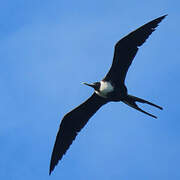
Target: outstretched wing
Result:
[126, 49]
[71, 124]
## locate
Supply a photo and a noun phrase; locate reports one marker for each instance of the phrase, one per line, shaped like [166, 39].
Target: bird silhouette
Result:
[110, 88]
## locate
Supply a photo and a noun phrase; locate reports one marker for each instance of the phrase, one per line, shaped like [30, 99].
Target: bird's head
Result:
[95, 85]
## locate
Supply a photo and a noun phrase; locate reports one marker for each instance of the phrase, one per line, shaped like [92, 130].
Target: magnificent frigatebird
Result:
[110, 88]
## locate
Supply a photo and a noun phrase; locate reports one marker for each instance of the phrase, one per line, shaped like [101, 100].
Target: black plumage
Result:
[72, 123]
[111, 88]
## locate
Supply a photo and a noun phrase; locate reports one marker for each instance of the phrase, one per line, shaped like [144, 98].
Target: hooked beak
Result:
[91, 85]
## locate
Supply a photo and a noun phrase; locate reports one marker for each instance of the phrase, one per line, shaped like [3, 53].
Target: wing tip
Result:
[50, 172]
[51, 169]
[161, 18]
[157, 21]
[53, 164]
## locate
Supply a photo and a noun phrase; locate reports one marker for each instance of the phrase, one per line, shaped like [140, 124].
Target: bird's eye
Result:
[98, 84]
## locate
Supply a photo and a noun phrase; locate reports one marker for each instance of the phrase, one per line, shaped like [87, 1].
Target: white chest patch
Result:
[105, 88]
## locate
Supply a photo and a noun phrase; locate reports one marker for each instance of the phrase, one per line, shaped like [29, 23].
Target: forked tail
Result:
[131, 101]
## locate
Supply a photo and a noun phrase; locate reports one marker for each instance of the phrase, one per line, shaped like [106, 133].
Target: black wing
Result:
[126, 49]
[71, 124]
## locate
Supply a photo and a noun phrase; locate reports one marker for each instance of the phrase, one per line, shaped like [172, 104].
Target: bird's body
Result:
[111, 91]
[110, 88]
[105, 89]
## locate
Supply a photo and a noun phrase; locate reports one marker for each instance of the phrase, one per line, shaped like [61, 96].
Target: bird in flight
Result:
[110, 88]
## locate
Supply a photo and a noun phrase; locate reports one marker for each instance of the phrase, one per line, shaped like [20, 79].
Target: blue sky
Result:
[47, 49]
